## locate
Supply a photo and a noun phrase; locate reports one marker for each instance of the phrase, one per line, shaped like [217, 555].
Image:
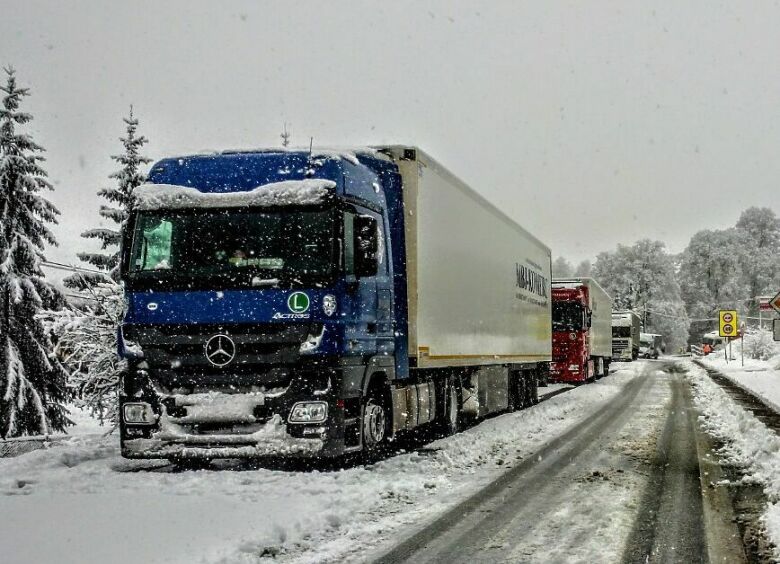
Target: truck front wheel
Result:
[374, 424]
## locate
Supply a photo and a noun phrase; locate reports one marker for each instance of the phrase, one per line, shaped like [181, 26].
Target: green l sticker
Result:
[298, 302]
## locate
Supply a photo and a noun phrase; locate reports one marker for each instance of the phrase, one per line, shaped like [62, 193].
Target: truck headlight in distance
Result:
[572, 336]
[309, 412]
[329, 304]
[138, 413]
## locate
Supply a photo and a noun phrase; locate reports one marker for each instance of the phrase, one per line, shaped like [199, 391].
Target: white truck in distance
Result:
[651, 345]
[626, 327]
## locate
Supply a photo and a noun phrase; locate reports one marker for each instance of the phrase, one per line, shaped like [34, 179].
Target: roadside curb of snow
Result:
[747, 444]
[729, 373]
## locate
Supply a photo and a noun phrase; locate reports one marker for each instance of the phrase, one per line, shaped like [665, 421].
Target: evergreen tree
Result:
[32, 380]
[121, 199]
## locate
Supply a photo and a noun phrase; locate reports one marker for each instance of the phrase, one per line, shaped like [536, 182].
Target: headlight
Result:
[309, 412]
[138, 413]
[572, 336]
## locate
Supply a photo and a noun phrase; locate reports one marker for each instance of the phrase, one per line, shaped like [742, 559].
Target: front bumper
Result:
[560, 373]
[622, 355]
[229, 424]
[232, 446]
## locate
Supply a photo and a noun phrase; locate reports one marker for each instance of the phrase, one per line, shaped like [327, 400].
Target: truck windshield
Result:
[233, 248]
[567, 316]
[621, 331]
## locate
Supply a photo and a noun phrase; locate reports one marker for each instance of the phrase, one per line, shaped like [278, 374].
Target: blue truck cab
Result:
[262, 294]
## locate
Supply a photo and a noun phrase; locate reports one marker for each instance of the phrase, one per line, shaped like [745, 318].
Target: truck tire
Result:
[375, 424]
[450, 421]
[531, 395]
[516, 392]
[534, 388]
[606, 367]
[599, 367]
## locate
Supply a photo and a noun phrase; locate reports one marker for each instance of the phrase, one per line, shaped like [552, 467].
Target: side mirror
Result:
[366, 245]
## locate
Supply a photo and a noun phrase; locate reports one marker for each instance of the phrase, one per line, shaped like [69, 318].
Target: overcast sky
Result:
[590, 123]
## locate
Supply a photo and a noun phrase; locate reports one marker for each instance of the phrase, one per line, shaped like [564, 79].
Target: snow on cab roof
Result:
[288, 193]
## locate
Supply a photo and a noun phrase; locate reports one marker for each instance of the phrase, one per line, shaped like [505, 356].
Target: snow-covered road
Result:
[80, 502]
[578, 499]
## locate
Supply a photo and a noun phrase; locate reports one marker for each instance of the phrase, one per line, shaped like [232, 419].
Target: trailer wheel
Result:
[516, 391]
[606, 367]
[530, 389]
[450, 422]
[534, 388]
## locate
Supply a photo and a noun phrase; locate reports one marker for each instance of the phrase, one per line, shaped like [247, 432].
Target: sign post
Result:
[727, 327]
[742, 327]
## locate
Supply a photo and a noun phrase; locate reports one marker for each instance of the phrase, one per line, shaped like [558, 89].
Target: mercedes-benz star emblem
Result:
[220, 350]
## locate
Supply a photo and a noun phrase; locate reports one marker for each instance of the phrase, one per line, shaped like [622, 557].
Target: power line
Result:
[70, 267]
[697, 320]
[80, 297]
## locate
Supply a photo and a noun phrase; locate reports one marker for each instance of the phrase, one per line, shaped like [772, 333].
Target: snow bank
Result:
[96, 507]
[748, 443]
[757, 376]
[288, 193]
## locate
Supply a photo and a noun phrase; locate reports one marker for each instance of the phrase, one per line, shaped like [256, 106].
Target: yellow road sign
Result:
[728, 326]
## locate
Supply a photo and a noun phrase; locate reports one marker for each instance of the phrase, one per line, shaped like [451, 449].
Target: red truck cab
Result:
[581, 312]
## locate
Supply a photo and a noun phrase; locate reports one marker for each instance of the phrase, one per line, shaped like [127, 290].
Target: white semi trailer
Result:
[342, 297]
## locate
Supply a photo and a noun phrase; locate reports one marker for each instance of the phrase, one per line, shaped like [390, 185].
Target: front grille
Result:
[173, 347]
[269, 329]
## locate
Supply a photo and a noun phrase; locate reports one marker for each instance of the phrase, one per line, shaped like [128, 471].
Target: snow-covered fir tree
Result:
[32, 380]
[120, 198]
[86, 341]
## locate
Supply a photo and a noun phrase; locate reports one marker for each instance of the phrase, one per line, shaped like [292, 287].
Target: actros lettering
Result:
[291, 316]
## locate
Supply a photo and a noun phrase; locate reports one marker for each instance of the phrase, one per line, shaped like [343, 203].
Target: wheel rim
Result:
[374, 423]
